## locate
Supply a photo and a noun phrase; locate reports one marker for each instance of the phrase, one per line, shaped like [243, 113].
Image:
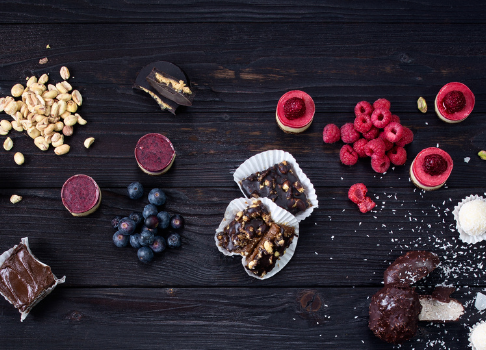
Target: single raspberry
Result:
[294, 108]
[381, 117]
[366, 205]
[388, 144]
[357, 193]
[393, 132]
[380, 165]
[362, 123]
[331, 133]
[407, 137]
[348, 156]
[395, 119]
[372, 134]
[397, 155]
[363, 107]
[454, 101]
[381, 103]
[359, 147]
[434, 164]
[348, 133]
[375, 148]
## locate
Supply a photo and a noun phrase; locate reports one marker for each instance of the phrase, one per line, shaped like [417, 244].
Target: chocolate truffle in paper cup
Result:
[470, 216]
[260, 231]
[276, 175]
[24, 280]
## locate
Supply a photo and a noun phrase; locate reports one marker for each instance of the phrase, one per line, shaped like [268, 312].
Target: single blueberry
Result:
[174, 240]
[158, 246]
[153, 230]
[157, 197]
[135, 240]
[137, 217]
[152, 222]
[145, 255]
[120, 239]
[164, 219]
[126, 226]
[146, 238]
[115, 221]
[135, 190]
[177, 222]
[149, 210]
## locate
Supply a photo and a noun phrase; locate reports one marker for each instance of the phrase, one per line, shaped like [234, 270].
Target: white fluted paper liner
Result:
[471, 330]
[41, 296]
[279, 216]
[463, 236]
[267, 159]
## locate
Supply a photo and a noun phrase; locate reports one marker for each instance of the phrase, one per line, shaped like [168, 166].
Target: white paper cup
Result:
[482, 324]
[267, 159]
[6, 255]
[463, 236]
[279, 216]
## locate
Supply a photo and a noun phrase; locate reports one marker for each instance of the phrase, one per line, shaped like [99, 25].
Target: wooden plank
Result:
[105, 11]
[215, 318]
[338, 245]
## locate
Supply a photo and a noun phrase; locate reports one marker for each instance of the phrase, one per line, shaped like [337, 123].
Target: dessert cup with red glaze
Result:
[431, 177]
[464, 103]
[154, 154]
[299, 122]
[81, 195]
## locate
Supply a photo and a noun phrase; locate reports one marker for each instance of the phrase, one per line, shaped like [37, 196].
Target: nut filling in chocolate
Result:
[254, 235]
[280, 184]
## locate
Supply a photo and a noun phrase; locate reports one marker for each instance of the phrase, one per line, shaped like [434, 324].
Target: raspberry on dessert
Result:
[393, 132]
[359, 147]
[388, 144]
[357, 193]
[407, 137]
[372, 134]
[381, 117]
[381, 103]
[294, 108]
[395, 119]
[362, 123]
[331, 133]
[454, 101]
[348, 133]
[397, 155]
[363, 107]
[375, 148]
[434, 164]
[348, 156]
[380, 165]
[366, 205]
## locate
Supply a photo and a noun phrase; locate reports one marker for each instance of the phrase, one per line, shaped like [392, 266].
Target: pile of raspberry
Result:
[375, 133]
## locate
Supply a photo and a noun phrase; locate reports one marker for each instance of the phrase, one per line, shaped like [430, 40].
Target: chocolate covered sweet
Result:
[411, 267]
[81, 195]
[280, 184]
[174, 89]
[154, 154]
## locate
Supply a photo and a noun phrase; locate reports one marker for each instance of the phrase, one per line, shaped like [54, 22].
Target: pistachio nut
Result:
[482, 155]
[422, 105]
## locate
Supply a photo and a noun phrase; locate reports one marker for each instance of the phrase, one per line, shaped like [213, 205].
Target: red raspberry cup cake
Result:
[454, 102]
[431, 168]
[81, 195]
[154, 154]
[295, 112]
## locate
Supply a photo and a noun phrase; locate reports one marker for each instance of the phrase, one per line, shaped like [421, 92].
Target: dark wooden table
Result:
[241, 59]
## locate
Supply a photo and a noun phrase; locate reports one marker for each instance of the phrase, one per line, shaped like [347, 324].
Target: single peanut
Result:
[57, 140]
[59, 126]
[63, 149]
[88, 142]
[67, 130]
[8, 144]
[17, 90]
[6, 125]
[65, 73]
[81, 120]
[41, 143]
[16, 126]
[19, 158]
[31, 81]
[43, 79]
[77, 97]
[71, 120]
[3, 131]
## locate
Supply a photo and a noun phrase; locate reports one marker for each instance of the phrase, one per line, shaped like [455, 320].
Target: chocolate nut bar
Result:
[171, 88]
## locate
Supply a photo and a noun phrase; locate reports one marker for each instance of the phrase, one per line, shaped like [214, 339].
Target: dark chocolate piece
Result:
[394, 313]
[411, 267]
[23, 279]
[280, 184]
[142, 84]
[443, 293]
[170, 87]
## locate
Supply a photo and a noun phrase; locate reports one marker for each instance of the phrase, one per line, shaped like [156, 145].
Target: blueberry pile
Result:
[141, 229]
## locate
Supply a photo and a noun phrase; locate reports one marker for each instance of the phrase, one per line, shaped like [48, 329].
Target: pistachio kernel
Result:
[422, 105]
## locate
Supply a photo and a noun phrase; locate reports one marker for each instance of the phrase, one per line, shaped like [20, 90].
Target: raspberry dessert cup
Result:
[295, 111]
[454, 102]
[431, 168]
[81, 195]
[154, 154]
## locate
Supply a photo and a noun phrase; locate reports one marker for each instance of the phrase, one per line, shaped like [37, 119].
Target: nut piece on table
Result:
[67, 130]
[81, 120]
[16, 126]
[8, 144]
[41, 143]
[65, 73]
[5, 124]
[63, 149]
[15, 199]
[19, 158]
[17, 90]
[422, 105]
[88, 142]
[77, 97]
[43, 60]
[44, 78]
[482, 155]
[3, 132]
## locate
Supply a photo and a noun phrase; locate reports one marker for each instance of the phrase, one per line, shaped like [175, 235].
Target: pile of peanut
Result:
[47, 113]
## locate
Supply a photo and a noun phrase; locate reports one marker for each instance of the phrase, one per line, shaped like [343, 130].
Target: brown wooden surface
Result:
[241, 58]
